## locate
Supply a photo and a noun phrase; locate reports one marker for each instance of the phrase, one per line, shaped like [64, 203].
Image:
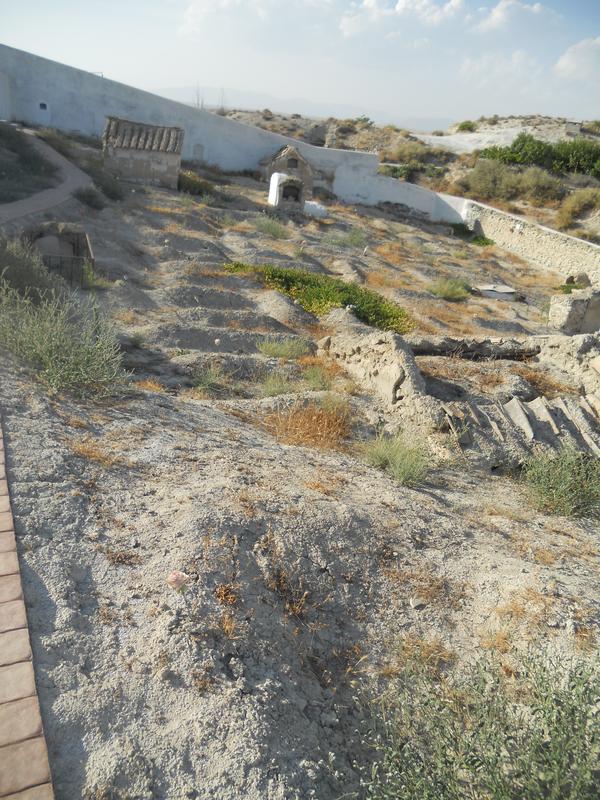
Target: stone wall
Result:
[543, 246]
[144, 166]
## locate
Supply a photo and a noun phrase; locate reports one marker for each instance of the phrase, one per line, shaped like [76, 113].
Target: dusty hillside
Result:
[236, 455]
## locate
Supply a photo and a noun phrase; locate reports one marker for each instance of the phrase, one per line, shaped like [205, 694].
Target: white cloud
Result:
[507, 11]
[516, 72]
[368, 12]
[428, 10]
[581, 60]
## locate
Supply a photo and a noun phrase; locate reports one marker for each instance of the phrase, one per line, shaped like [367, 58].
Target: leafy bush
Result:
[453, 289]
[70, 345]
[273, 384]
[467, 126]
[491, 180]
[318, 294]
[271, 227]
[284, 348]
[538, 185]
[191, 183]
[486, 734]
[317, 378]
[90, 197]
[22, 269]
[416, 154]
[567, 483]
[481, 241]
[210, 381]
[405, 171]
[576, 204]
[577, 155]
[408, 461]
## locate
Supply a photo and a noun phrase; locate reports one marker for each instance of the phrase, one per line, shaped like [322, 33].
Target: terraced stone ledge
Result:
[24, 767]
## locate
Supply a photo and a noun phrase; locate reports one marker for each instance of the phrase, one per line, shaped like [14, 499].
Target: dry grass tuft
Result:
[394, 253]
[543, 382]
[121, 558]
[325, 425]
[150, 385]
[429, 653]
[91, 450]
[228, 625]
[498, 641]
[585, 638]
[428, 586]
[225, 594]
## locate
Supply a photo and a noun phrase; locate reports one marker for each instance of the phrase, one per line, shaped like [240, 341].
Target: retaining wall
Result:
[543, 246]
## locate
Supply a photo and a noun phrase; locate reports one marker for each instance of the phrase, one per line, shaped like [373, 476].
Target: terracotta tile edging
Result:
[24, 767]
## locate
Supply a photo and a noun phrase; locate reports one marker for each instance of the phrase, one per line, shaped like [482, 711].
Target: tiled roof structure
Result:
[128, 135]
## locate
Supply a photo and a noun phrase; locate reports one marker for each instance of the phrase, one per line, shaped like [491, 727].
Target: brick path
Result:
[24, 768]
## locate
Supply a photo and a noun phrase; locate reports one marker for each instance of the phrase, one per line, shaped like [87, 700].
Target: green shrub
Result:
[90, 197]
[72, 347]
[568, 288]
[271, 227]
[490, 180]
[486, 735]
[481, 241]
[191, 183]
[575, 205]
[565, 483]
[494, 180]
[92, 279]
[407, 460]
[576, 155]
[21, 268]
[284, 348]
[211, 381]
[317, 378]
[539, 186]
[318, 294]
[273, 384]
[453, 289]
[405, 171]
[354, 238]
[467, 126]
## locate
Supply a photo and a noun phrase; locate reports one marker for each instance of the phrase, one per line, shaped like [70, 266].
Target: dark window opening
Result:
[291, 193]
[43, 106]
[292, 163]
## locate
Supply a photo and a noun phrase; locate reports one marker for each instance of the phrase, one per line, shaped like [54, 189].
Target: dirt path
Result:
[73, 179]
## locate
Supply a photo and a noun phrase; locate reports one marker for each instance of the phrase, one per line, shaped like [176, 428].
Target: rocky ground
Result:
[312, 573]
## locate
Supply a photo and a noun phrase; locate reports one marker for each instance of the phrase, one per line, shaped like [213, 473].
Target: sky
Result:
[390, 59]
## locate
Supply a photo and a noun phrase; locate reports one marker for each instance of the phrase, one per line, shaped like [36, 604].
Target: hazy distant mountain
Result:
[212, 97]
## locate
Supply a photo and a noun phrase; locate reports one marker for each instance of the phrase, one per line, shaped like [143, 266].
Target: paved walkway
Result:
[72, 179]
[24, 768]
